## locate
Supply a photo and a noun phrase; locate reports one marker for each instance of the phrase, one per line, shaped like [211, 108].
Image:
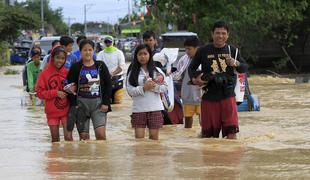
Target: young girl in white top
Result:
[144, 84]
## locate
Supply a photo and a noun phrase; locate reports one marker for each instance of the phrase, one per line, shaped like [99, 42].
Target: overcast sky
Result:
[97, 10]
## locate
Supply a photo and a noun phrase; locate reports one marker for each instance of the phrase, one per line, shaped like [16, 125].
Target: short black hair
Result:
[148, 35]
[55, 42]
[220, 24]
[86, 41]
[80, 38]
[192, 41]
[34, 51]
[66, 40]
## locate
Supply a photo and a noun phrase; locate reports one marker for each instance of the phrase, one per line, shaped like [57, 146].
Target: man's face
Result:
[220, 36]
[68, 48]
[108, 42]
[150, 42]
[190, 51]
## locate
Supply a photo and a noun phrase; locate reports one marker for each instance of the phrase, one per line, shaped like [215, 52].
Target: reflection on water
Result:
[272, 144]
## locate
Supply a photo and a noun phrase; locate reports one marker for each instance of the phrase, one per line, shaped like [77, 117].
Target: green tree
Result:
[13, 20]
[52, 18]
[251, 22]
[302, 29]
[77, 27]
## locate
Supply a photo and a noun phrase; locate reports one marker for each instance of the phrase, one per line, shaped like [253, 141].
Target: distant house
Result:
[99, 28]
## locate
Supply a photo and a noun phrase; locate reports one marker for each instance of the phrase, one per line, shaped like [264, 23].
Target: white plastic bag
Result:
[240, 87]
[240, 83]
[167, 57]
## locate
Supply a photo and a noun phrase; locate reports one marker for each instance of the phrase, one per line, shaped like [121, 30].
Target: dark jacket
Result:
[105, 82]
[221, 78]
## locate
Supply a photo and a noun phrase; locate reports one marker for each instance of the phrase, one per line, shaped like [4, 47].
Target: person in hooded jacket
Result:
[49, 87]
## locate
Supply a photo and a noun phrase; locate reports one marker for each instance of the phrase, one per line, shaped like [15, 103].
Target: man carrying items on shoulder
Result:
[115, 61]
[218, 106]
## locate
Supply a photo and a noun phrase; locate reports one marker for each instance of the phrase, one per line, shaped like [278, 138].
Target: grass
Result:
[10, 72]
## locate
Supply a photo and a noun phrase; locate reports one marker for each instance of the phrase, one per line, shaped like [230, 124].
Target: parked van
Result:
[176, 40]
[45, 44]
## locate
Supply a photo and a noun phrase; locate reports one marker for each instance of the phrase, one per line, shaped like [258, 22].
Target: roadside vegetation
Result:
[10, 72]
[25, 16]
[254, 24]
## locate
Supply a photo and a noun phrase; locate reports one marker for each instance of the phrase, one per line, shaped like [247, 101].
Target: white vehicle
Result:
[45, 44]
[176, 40]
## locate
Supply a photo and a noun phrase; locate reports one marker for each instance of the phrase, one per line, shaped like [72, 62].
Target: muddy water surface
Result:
[273, 143]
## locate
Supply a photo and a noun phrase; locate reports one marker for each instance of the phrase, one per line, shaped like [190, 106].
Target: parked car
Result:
[20, 52]
[129, 46]
[45, 44]
[176, 40]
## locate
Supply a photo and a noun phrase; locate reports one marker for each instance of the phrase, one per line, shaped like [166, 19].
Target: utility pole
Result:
[85, 21]
[129, 12]
[42, 18]
[108, 25]
[85, 25]
[69, 24]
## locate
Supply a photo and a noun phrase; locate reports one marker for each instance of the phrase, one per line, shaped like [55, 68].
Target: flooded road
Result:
[273, 143]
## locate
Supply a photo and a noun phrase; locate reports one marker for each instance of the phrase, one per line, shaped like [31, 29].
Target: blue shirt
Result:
[70, 59]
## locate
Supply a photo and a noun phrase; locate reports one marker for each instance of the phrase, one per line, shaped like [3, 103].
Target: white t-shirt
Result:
[113, 60]
[150, 100]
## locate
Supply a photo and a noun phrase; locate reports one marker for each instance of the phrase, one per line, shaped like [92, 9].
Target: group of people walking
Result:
[75, 92]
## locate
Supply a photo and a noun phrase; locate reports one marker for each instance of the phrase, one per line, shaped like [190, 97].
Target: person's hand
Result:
[232, 62]
[104, 108]
[71, 88]
[61, 94]
[149, 84]
[198, 81]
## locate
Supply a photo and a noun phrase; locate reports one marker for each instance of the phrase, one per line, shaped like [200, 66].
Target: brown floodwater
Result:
[272, 144]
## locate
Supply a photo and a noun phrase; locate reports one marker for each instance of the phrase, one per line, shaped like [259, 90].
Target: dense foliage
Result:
[52, 18]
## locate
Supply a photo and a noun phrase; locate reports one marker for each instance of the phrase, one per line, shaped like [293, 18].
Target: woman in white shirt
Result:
[144, 84]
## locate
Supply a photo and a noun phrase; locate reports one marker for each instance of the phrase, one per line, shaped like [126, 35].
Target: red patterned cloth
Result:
[217, 116]
[152, 120]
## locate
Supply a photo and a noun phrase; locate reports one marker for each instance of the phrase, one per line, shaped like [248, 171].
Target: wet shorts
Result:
[91, 109]
[56, 121]
[217, 116]
[152, 120]
[191, 110]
